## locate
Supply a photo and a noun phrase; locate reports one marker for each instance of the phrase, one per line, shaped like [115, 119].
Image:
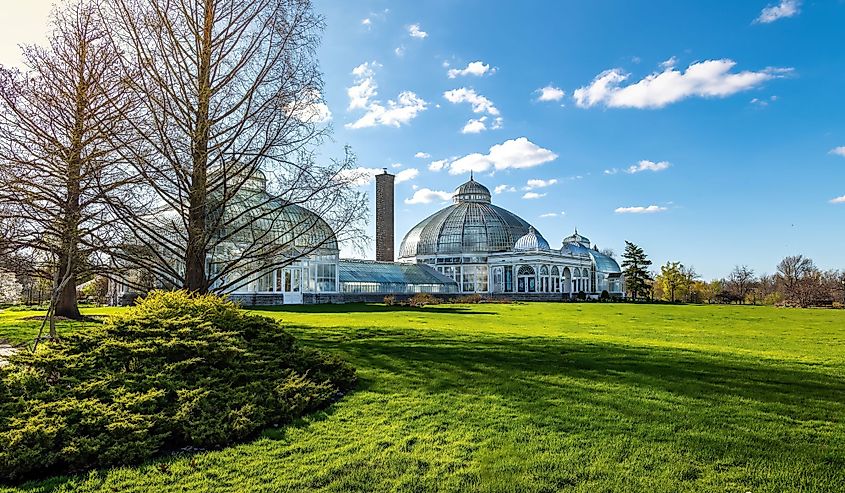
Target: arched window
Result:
[526, 280]
[544, 270]
[555, 286]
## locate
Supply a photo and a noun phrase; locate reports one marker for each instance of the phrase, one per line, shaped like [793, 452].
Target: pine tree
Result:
[635, 265]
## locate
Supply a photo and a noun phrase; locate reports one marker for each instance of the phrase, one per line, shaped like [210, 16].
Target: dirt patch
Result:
[6, 350]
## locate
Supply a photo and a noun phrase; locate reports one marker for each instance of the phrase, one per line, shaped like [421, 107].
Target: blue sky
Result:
[722, 151]
[729, 112]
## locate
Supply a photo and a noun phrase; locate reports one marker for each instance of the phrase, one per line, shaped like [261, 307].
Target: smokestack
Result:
[384, 217]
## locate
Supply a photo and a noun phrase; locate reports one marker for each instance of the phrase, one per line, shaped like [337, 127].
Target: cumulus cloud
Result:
[477, 68]
[646, 165]
[710, 78]
[838, 200]
[365, 85]
[480, 104]
[422, 155]
[533, 195]
[407, 175]
[362, 95]
[366, 22]
[786, 8]
[532, 184]
[553, 214]
[438, 165]
[640, 210]
[511, 154]
[399, 51]
[310, 109]
[839, 151]
[500, 189]
[475, 126]
[550, 93]
[415, 32]
[427, 196]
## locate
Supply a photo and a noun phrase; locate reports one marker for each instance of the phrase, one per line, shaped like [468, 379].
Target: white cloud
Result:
[400, 51]
[646, 165]
[503, 188]
[533, 195]
[532, 184]
[550, 93]
[838, 200]
[438, 165]
[365, 85]
[710, 78]
[786, 8]
[415, 31]
[475, 126]
[310, 109]
[422, 155]
[477, 68]
[511, 154]
[640, 210]
[839, 151]
[360, 176]
[479, 103]
[427, 196]
[553, 214]
[366, 22]
[407, 175]
[611, 171]
[497, 123]
[405, 108]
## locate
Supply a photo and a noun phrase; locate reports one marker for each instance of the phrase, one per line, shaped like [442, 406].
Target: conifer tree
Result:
[635, 265]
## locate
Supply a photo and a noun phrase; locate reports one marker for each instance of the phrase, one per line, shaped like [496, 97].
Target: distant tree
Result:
[609, 252]
[688, 278]
[670, 280]
[635, 266]
[791, 271]
[10, 289]
[741, 280]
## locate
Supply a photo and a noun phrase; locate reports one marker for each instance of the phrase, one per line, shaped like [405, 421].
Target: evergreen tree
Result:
[635, 265]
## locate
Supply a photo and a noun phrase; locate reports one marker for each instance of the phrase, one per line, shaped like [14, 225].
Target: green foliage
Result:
[635, 265]
[175, 370]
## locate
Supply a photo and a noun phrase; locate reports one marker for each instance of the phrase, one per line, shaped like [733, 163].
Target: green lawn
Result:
[543, 397]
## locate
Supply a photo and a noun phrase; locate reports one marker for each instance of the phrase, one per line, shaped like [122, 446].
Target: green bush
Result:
[176, 370]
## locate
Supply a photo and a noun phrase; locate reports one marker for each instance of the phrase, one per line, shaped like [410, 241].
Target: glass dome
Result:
[532, 242]
[471, 225]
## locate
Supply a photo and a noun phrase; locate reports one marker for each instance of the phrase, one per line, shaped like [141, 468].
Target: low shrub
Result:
[390, 300]
[423, 299]
[469, 299]
[176, 370]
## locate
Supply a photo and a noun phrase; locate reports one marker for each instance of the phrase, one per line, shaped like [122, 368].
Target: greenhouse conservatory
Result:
[471, 246]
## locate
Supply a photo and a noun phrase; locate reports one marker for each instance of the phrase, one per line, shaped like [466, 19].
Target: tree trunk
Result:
[66, 302]
[195, 253]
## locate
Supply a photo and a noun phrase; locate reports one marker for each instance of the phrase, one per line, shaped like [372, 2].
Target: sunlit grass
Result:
[544, 397]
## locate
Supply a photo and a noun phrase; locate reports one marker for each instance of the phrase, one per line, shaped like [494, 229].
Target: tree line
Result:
[127, 142]
[797, 282]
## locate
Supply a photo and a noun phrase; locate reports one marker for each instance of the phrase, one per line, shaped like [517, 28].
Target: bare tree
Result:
[231, 93]
[54, 121]
[791, 271]
[741, 280]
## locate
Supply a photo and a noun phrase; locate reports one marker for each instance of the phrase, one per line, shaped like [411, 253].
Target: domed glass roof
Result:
[471, 225]
[532, 242]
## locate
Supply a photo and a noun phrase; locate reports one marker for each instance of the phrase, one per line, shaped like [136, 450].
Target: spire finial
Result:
[576, 230]
[470, 175]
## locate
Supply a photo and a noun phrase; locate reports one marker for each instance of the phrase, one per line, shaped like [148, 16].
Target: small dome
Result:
[532, 242]
[472, 191]
[577, 238]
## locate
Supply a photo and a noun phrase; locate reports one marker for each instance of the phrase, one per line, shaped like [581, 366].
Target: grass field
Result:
[542, 397]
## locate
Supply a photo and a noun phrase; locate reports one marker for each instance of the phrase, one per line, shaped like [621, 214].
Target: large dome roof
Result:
[471, 225]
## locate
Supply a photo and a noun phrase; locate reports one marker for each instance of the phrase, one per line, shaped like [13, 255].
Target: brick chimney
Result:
[384, 217]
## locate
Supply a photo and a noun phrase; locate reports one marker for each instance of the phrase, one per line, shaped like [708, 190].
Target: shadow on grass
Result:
[371, 308]
[718, 410]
